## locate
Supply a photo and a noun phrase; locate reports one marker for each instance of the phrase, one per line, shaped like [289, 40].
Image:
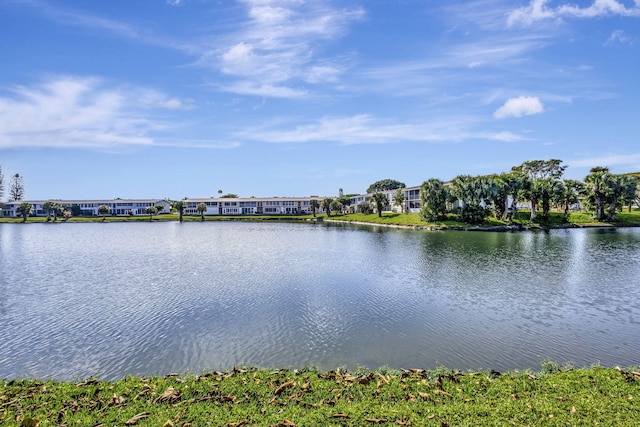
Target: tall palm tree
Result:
[180, 205]
[201, 208]
[326, 205]
[571, 190]
[620, 187]
[48, 206]
[313, 204]
[381, 200]
[58, 209]
[596, 186]
[548, 189]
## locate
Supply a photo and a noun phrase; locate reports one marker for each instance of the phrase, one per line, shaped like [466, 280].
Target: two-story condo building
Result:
[217, 206]
[119, 207]
[253, 205]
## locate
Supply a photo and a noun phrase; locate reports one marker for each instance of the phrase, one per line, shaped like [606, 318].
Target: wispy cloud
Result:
[278, 47]
[79, 18]
[538, 10]
[197, 143]
[619, 37]
[518, 107]
[367, 129]
[631, 160]
[69, 111]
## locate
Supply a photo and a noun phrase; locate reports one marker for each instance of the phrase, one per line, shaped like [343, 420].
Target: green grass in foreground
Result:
[257, 397]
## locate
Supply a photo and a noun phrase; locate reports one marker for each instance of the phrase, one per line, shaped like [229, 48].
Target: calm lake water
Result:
[107, 300]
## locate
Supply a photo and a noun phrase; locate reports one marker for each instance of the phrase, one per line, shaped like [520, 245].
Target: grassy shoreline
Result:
[260, 397]
[412, 220]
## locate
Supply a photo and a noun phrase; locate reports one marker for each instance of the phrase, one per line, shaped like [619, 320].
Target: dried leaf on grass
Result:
[340, 416]
[169, 395]
[283, 387]
[134, 420]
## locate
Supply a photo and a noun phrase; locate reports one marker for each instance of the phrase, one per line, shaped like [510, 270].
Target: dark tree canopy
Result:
[536, 169]
[16, 188]
[384, 185]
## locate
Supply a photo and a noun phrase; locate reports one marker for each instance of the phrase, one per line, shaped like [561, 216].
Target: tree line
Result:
[538, 183]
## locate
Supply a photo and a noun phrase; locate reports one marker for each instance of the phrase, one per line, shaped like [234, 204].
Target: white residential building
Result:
[216, 206]
[411, 200]
[253, 205]
[118, 207]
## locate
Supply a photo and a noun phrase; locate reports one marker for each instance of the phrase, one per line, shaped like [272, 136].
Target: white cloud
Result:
[197, 143]
[79, 18]
[367, 129]
[629, 159]
[265, 90]
[506, 137]
[80, 112]
[540, 10]
[518, 107]
[618, 36]
[238, 59]
[280, 45]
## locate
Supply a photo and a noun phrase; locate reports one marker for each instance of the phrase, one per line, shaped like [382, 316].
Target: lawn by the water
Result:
[258, 397]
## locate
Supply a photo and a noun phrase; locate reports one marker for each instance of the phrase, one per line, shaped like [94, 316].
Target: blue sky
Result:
[182, 98]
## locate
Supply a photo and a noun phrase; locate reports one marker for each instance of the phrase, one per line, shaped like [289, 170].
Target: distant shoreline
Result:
[496, 228]
[322, 218]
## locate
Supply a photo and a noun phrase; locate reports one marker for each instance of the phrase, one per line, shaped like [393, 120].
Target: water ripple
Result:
[157, 298]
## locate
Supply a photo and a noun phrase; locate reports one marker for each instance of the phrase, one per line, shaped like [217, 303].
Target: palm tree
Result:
[159, 208]
[398, 199]
[516, 182]
[326, 205]
[336, 206]
[180, 205]
[630, 194]
[24, 210]
[548, 189]
[48, 206]
[620, 187]
[58, 209]
[314, 204]
[596, 186]
[151, 211]
[433, 195]
[103, 210]
[201, 208]
[571, 190]
[380, 200]
[472, 192]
